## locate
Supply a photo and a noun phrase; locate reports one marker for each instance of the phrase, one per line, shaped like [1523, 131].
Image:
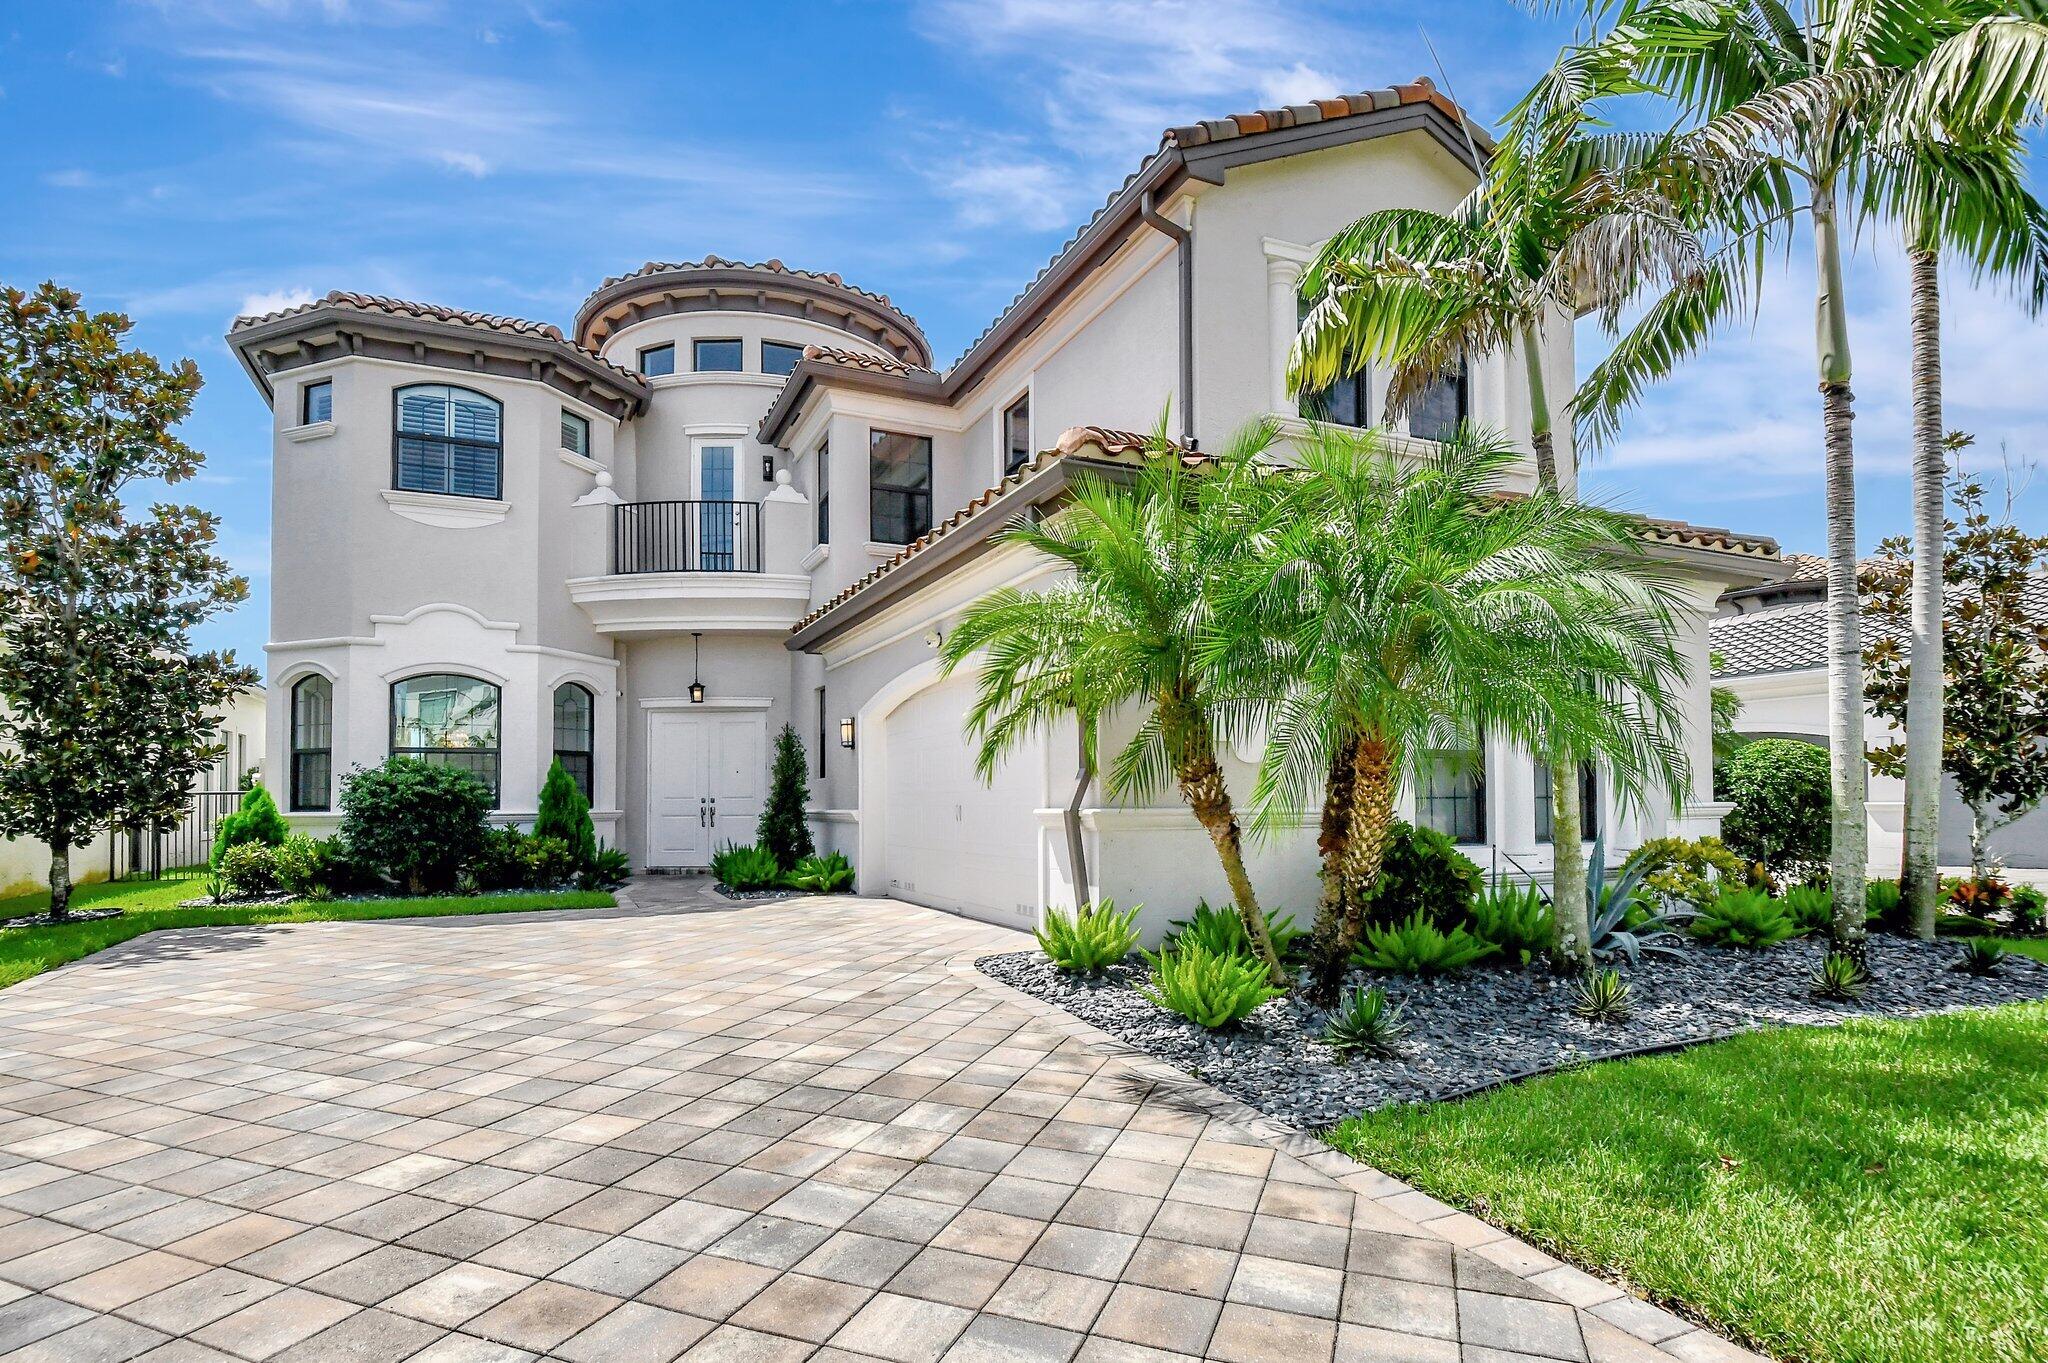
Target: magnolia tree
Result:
[1994, 661]
[109, 715]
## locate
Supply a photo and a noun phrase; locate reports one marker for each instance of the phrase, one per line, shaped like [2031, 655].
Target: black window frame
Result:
[578, 422]
[324, 387]
[739, 347]
[916, 499]
[640, 359]
[796, 355]
[1460, 381]
[1469, 763]
[305, 755]
[1016, 456]
[451, 441]
[821, 732]
[825, 492]
[1347, 401]
[440, 756]
[580, 763]
[1589, 803]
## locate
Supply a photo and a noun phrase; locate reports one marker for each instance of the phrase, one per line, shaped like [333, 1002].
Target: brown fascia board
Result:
[923, 386]
[453, 336]
[739, 280]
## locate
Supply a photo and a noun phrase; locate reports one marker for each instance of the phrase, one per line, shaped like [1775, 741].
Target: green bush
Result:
[1839, 977]
[1093, 936]
[1882, 900]
[249, 869]
[302, 867]
[1222, 930]
[564, 815]
[1419, 947]
[745, 868]
[2029, 906]
[415, 822]
[1981, 957]
[547, 863]
[1744, 918]
[784, 830]
[256, 819]
[608, 870]
[1779, 787]
[828, 874]
[1517, 919]
[1209, 989]
[1366, 1022]
[1812, 907]
[1422, 871]
[499, 863]
[1688, 871]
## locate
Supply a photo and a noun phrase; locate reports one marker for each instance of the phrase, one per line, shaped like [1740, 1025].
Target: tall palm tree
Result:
[1405, 605]
[1120, 631]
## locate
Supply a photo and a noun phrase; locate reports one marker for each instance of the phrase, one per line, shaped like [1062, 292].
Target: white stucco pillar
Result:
[1283, 290]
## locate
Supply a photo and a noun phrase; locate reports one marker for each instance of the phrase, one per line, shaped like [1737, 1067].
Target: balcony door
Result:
[717, 512]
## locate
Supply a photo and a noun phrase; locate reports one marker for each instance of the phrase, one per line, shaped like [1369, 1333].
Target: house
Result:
[1770, 649]
[734, 495]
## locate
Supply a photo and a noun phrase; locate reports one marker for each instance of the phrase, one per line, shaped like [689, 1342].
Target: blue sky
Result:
[187, 160]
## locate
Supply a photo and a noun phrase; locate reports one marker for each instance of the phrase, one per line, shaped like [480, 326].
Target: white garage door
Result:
[949, 840]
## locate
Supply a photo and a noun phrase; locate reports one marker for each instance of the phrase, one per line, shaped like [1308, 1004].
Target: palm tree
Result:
[1121, 631]
[1407, 604]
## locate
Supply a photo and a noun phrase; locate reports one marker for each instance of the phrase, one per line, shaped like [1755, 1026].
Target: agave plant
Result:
[1981, 958]
[1366, 1021]
[1840, 976]
[1603, 996]
[1617, 921]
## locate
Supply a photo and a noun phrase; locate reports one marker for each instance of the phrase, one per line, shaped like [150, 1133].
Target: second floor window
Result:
[899, 486]
[717, 357]
[575, 433]
[657, 360]
[1017, 435]
[1346, 402]
[450, 721]
[1451, 795]
[312, 743]
[779, 357]
[1443, 406]
[316, 403]
[825, 493]
[447, 440]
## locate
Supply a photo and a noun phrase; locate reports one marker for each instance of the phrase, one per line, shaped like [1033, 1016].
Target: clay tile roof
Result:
[1775, 639]
[711, 262]
[1805, 568]
[861, 359]
[434, 312]
[1421, 90]
[1686, 535]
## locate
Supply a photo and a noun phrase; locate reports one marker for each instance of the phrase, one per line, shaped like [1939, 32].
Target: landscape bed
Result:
[1482, 1027]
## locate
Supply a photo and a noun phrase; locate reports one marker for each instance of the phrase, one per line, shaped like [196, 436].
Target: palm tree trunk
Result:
[1849, 850]
[1539, 410]
[1920, 864]
[1200, 778]
[60, 880]
[1568, 868]
[1371, 815]
[1333, 837]
[1077, 850]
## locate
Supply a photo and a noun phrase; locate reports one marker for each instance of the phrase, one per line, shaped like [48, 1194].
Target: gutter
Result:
[1184, 252]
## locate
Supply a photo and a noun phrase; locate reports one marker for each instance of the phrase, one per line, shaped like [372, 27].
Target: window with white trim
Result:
[316, 403]
[1017, 435]
[446, 440]
[575, 433]
[575, 735]
[657, 360]
[1451, 795]
[1589, 803]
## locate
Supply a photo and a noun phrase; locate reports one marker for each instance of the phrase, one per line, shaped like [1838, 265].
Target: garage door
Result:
[950, 841]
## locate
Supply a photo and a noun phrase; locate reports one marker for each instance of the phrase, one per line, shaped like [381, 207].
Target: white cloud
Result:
[72, 178]
[274, 300]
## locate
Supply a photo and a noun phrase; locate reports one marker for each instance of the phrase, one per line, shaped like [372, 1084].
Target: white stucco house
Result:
[730, 496]
[1770, 647]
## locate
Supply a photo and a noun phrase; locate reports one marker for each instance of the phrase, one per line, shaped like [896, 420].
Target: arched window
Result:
[312, 743]
[446, 440]
[448, 720]
[575, 713]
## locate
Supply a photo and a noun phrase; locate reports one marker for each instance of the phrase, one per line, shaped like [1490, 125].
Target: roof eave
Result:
[788, 406]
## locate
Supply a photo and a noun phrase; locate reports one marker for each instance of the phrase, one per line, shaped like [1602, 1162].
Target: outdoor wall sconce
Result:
[767, 468]
[696, 656]
[845, 733]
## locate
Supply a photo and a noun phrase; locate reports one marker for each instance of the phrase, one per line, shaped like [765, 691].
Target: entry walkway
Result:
[687, 1128]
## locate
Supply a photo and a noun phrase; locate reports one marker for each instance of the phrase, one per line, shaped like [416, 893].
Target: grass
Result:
[150, 905]
[1870, 1193]
[2036, 947]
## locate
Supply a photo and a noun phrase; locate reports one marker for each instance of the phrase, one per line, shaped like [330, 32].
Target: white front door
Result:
[706, 773]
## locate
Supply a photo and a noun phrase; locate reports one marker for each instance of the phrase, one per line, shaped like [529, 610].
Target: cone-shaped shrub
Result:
[256, 819]
[783, 829]
[565, 814]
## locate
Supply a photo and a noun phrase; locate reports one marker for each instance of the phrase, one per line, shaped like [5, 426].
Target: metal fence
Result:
[686, 537]
[182, 852]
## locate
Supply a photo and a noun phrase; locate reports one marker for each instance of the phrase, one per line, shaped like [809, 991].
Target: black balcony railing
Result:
[686, 537]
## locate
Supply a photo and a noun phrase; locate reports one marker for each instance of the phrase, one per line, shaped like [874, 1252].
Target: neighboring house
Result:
[733, 496]
[1771, 645]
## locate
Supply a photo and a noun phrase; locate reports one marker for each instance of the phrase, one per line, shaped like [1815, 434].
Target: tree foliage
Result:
[256, 820]
[109, 714]
[416, 822]
[563, 813]
[1779, 789]
[783, 829]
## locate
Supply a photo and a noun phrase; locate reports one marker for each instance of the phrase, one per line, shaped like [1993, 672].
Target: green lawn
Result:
[1876, 1191]
[2036, 947]
[152, 904]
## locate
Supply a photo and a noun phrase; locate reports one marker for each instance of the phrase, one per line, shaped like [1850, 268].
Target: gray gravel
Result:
[1482, 1027]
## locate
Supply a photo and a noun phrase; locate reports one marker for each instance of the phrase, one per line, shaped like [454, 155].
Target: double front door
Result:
[706, 776]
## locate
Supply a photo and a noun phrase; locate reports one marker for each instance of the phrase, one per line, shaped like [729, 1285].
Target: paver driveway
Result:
[770, 1132]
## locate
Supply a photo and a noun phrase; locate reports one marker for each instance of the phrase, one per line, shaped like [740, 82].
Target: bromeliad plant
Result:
[1222, 930]
[1517, 919]
[1211, 989]
[1093, 936]
[745, 868]
[1745, 918]
[1419, 947]
[814, 874]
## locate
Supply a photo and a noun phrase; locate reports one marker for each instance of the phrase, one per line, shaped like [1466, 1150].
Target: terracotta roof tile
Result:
[654, 267]
[861, 359]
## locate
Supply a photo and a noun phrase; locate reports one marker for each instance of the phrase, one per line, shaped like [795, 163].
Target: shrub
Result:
[1603, 996]
[1419, 947]
[1210, 989]
[256, 819]
[745, 868]
[564, 815]
[1881, 900]
[1366, 1022]
[249, 869]
[1688, 871]
[415, 822]
[301, 863]
[608, 870]
[828, 874]
[1979, 898]
[1811, 907]
[1779, 787]
[2029, 906]
[783, 829]
[1517, 919]
[1222, 930]
[1422, 871]
[1981, 957]
[1744, 918]
[498, 864]
[1094, 936]
[1839, 977]
[547, 863]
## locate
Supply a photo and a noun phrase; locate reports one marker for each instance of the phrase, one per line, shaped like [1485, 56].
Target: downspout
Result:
[1184, 248]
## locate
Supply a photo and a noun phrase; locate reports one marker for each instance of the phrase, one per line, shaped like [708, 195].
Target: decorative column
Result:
[1283, 320]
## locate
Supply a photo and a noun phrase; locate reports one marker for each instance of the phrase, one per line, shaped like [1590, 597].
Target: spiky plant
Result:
[1981, 957]
[1366, 1022]
[1840, 977]
[1603, 996]
[1091, 937]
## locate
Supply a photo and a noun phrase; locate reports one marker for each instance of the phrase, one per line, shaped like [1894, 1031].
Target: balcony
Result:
[697, 566]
